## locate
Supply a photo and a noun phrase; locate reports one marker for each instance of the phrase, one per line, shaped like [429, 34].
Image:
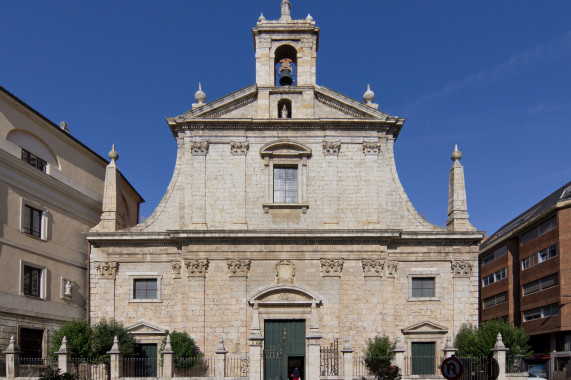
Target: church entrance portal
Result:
[284, 348]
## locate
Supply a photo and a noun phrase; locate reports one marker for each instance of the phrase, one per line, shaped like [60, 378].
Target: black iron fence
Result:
[90, 369]
[141, 367]
[329, 359]
[237, 367]
[193, 367]
[35, 367]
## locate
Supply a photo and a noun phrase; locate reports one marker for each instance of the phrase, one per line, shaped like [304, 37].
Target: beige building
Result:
[51, 191]
[285, 227]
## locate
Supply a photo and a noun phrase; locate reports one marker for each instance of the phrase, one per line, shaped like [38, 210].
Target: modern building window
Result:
[539, 257]
[145, 288]
[31, 342]
[495, 277]
[541, 284]
[32, 221]
[495, 300]
[422, 287]
[541, 312]
[538, 230]
[494, 255]
[34, 160]
[285, 184]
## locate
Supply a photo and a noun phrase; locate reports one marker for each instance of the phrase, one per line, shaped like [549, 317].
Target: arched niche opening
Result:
[33, 145]
[284, 109]
[285, 66]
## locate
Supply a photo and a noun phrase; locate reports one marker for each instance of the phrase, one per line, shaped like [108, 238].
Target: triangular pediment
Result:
[143, 328]
[425, 327]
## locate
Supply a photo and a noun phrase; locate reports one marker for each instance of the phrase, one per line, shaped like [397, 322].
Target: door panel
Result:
[284, 339]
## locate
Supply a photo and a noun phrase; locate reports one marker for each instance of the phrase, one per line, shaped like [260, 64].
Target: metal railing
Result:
[141, 367]
[359, 367]
[193, 367]
[474, 368]
[35, 367]
[2, 366]
[421, 365]
[90, 369]
[515, 364]
[237, 367]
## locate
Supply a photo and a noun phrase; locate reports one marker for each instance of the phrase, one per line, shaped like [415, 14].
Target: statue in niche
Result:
[67, 289]
[284, 112]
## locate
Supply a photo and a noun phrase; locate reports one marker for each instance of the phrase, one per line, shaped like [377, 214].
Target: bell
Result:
[285, 78]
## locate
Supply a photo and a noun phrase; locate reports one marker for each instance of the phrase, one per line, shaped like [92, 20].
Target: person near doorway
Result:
[295, 374]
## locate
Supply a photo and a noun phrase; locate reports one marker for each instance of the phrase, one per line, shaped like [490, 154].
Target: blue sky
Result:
[493, 77]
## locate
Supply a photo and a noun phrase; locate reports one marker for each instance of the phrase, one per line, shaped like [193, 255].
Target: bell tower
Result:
[286, 50]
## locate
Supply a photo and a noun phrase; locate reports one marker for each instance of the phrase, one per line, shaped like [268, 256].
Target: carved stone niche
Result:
[392, 267]
[238, 267]
[461, 268]
[331, 148]
[331, 267]
[371, 148]
[106, 269]
[285, 272]
[373, 267]
[239, 148]
[196, 267]
[199, 148]
[176, 267]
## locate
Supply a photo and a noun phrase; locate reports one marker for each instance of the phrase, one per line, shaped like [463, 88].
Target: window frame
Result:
[42, 294]
[436, 287]
[494, 298]
[499, 275]
[536, 231]
[39, 164]
[536, 258]
[540, 286]
[43, 219]
[545, 311]
[145, 276]
[286, 193]
[494, 255]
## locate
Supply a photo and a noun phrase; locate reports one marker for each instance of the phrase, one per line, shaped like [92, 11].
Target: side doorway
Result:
[145, 362]
[423, 358]
[284, 349]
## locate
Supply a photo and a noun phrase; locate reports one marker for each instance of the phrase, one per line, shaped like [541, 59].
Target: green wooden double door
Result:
[423, 358]
[284, 348]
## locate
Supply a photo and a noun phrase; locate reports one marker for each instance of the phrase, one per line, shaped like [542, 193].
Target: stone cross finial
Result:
[64, 127]
[286, 5]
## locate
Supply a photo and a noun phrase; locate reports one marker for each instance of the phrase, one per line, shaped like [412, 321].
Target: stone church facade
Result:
[285, 215]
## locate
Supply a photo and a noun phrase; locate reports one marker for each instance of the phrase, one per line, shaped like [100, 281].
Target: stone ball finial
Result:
[456, 155]
[369, 95]
[261, 18]
[113, 155]
[200, 96]
[309, 18]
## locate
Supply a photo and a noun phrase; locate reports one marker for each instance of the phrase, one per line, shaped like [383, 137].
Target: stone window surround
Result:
[132, 276]
[43, 279]
[297, 157]
[437, 286]
[44, 219]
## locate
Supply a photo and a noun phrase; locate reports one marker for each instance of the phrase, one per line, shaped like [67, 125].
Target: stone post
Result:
[399, 356]
[255, 339]
[167, 359]
[347, 360]
[115, 360]
[449, 349]
[64, 357]
[220, 365]
[499, 351]
[313, 363]
[12, 359]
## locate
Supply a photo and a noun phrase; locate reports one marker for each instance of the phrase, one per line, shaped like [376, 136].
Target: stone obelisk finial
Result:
[457, 206]
[111, 220]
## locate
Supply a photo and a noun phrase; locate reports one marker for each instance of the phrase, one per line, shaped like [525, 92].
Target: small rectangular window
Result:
[495, 277]
[285, 185]
[539, 257]
[538, 230]
[423, 287]
[32, 221]
[145, 288]
[541, 312]
[34, 160]
[31, 285]
[496, 254]
[495, 300]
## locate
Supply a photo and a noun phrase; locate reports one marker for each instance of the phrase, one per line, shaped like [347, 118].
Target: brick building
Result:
[525, 275]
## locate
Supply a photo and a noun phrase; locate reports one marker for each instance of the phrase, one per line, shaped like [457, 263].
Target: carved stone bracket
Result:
[371, 148]
[331, 148]
[238, 267]
[175, 266]
[461, 268]
[199, 148]
[196, 267]
[331, 267]
[239, 148]
[373, 267]
[392, 267]
[285, 272]
[107, 269]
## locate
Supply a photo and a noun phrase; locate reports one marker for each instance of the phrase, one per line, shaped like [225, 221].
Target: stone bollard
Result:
[220, 365]
[347, 360]
[167, 359]
[64, 357]
[12, 359]
[399, 356]
[115, 360]
[499, 351]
